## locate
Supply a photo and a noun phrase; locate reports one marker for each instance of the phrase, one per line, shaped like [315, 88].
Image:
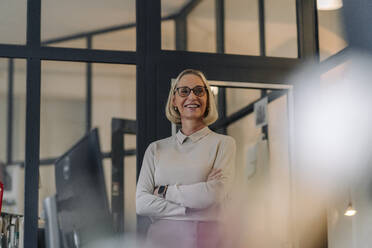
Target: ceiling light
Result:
[350, 211]
[329, 4]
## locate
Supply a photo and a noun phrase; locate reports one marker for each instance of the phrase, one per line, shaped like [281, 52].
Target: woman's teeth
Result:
[192, 106]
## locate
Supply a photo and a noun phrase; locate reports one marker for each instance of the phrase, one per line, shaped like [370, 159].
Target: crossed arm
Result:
[147, 203]
[179, 197]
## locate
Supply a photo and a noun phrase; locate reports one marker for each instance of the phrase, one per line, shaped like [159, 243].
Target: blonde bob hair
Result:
[210, 115]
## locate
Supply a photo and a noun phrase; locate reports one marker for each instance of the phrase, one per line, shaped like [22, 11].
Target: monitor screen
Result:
[82, 206]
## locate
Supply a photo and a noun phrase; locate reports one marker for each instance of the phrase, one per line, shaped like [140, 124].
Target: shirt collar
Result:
[194, 137]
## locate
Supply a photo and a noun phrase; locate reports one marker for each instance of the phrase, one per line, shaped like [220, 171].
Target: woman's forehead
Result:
[190, 80]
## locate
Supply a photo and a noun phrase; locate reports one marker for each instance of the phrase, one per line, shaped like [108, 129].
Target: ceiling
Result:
[67, 17]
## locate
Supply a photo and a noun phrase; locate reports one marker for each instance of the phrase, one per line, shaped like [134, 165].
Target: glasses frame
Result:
[193, 90]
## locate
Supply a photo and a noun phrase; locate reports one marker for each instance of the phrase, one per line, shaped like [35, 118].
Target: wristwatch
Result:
[162, 190]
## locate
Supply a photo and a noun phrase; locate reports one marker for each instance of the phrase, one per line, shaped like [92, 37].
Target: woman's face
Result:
[191, 106]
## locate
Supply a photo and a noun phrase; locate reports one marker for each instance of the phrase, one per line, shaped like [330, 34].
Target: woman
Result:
[185, 178]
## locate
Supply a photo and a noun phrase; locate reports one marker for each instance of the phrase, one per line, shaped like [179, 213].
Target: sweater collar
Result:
[194, 137]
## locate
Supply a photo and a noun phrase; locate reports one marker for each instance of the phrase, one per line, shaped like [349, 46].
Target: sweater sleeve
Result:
[147, 203]
[205, 194]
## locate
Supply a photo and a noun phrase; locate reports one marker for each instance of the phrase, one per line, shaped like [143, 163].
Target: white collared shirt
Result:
[184, 162]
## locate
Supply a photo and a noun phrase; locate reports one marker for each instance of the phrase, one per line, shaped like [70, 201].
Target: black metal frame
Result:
[88, 106]
[220, 39]
[119, 127]
[155, 68]
[307, 29]
[261, 22]
[33, 92]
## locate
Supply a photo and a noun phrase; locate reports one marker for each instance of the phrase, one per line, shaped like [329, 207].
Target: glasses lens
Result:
[184, 91]
[199, 91]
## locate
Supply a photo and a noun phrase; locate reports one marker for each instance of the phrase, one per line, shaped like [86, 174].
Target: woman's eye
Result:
[184, 91]
[198, 90]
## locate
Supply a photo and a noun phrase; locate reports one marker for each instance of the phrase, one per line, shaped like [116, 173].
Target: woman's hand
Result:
[214, 174]
[156, 191]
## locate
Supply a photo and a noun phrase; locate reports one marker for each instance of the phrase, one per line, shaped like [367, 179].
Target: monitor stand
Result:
[52, 236]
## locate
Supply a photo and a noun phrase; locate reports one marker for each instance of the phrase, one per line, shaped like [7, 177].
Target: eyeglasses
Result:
[184, 91]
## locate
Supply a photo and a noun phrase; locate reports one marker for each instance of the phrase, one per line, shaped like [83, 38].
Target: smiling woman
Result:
[177, 101]
[186, 178]
[191, 106]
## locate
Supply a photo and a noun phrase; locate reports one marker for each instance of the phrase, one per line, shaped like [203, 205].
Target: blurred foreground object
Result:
[329, 4]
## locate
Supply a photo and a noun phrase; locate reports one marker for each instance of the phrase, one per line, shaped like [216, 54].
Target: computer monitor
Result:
[82, 206]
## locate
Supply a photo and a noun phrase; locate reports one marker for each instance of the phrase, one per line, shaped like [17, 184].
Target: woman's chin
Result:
[193, 117]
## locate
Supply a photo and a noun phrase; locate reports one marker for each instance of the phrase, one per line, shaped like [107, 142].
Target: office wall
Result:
[262, 193]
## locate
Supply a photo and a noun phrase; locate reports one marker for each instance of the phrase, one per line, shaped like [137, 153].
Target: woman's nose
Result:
[192, 95]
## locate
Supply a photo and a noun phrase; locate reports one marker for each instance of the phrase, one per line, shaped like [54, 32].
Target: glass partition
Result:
[64, 119]
[201, 28]
[111, 24]
[12, 141]
[197, 25]
[13, 22]
[262, 173]
[242, 27]
[281, 28]
[168, 35]
[332, 36]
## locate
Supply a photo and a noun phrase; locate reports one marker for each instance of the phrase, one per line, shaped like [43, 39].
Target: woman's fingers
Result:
[156, 191]
[214, 174]
[211, 173]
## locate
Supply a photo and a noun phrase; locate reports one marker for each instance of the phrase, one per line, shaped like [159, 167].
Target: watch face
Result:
[161, 189]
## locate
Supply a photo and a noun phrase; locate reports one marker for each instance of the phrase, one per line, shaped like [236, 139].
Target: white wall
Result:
[260, 214]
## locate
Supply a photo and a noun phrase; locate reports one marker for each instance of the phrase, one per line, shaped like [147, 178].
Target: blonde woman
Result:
[185, 178]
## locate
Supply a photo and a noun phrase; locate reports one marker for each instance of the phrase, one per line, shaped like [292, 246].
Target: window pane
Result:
[199, 23]
[13, 21]
[168, 28]
[63, 19]
[76, 43]
[281, 28]
[12, 172]
[117, 40]
[62, 113]
[241, 27]
[262, 172]
[239, 98]
[19, 108]
[47, 184]
[171, 7]
[201, 28]
[63, 118]
[332, 37]
[168, 35]
[130, 182]
[114, 96]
